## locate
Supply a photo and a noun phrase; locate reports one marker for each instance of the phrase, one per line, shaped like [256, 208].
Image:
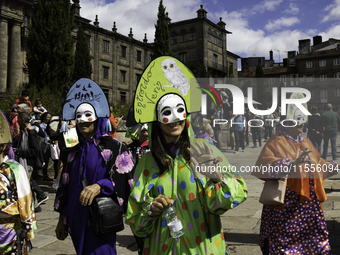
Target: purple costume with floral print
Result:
[91, 162]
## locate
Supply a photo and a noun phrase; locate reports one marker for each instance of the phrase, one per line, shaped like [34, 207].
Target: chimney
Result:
[317, 40]
[96, 23]
[304, 46]
[168, 20]
[131, 34]
[271, 55]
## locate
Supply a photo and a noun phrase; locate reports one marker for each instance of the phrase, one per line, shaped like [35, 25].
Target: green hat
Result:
[162, 76]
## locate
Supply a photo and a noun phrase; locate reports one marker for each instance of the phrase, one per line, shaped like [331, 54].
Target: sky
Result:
[256, 26]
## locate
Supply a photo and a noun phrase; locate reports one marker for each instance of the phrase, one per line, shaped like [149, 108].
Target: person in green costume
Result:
[167, 176]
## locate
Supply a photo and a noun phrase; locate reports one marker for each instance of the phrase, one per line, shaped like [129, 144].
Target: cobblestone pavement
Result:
[241, 225]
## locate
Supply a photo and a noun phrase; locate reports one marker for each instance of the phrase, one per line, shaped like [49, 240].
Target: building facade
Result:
[314, 67]
[118, 61]
[202, 46]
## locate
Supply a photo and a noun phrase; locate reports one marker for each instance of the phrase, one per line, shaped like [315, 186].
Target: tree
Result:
[162, 45]
[82, 58]
[50, 45]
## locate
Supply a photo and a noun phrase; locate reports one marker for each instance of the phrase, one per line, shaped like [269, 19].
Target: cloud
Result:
[267, 5]
[140, 15]
[282, 22]
[292, 10]
[333, 11]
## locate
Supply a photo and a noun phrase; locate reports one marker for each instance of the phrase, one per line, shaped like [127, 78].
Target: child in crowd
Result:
[38, 109]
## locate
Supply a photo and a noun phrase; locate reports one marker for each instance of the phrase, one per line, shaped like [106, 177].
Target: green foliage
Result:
[82, 58]
[52, 101]
[162, 45]
[121, 110]
[50, 45]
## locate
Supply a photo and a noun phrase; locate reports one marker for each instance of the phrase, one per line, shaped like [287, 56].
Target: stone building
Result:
[14, 18]
[314, 67]
[202, 46]
[117, 60]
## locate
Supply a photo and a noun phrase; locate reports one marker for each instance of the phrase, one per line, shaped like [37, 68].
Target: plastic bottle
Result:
[173, 222]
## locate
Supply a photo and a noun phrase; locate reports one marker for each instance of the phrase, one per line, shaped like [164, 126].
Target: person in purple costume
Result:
[105, 164]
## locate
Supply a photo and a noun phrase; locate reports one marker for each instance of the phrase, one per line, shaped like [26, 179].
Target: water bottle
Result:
[173, 222]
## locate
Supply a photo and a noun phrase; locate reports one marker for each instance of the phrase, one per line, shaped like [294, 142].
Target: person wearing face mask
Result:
[166, 177]
[297, 226]
[99, 160]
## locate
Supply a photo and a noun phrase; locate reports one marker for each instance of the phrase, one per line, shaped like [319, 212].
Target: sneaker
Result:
[235, 152]
[47, 179]
[255, 146]
[243, 150]
[42, 200]
[38, 209]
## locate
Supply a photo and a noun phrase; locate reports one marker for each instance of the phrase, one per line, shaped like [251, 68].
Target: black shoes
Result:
[42, 200]
[38, 209]
[47, 179]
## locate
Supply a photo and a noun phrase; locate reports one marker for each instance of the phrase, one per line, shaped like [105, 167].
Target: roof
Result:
[318, 54]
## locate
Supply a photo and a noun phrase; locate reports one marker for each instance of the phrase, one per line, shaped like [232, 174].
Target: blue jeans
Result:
[329, 136]
[316, 139]
[256, 132]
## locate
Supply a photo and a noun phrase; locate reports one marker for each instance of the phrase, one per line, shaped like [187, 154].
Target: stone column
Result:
[15, 56]
[3, 54]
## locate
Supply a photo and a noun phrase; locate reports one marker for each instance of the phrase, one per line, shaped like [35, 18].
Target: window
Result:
[294, 81]
[215, 60]
[183, 57]
[138, 76]
[322, 62]
[209, 38]
[183, 36]
[231, 68]
[139, 56]
[337, 76]
[214, 38]
[271, 80]
[309, 64]
[303, 78]
[122, 76]
[336, 61]
[323, 77]
[106, 93]
[88, 37]
[337, 92]
[106, 46]
[283, 78]
[310, 78]
[173, 38]
[192, 34]
[122, 97]
[123, 52]
[312, 93]
[323, 96]
[106, 72]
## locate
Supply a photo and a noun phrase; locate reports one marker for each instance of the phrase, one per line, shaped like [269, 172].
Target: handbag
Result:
[274, 192]
[106, 216]
[54, 151]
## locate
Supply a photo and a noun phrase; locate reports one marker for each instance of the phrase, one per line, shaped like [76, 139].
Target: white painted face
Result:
[300, 117]
[85, 113]
[171, 108]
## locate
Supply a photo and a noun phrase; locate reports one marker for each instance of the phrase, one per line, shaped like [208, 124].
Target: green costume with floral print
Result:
[203, 233]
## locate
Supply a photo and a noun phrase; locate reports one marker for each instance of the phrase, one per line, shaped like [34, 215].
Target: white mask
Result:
[170, 109]
[85, 113]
